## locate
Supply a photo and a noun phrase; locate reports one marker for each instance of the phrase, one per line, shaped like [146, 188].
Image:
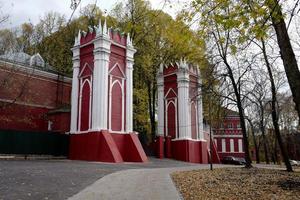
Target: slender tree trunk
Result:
[262, 129]
[286, 51]
[255, 143]
[274, 112]
[151, 108]
[241, 114]
[266, 149]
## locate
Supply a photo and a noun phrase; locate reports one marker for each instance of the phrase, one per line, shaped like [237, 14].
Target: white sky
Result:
[21, 11]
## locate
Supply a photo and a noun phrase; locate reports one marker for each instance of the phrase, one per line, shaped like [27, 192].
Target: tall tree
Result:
[286, 50]
[221, 29]
[258, 95]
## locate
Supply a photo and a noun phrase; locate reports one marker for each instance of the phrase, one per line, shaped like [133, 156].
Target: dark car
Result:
[233, 160]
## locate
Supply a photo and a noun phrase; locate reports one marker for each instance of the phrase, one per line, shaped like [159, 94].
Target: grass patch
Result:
[238, 183]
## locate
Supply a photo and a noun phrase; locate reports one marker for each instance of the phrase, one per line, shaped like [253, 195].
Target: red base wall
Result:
[106, 147]
[184, 150]
[215, 155]
[159, 144]
[190, 151]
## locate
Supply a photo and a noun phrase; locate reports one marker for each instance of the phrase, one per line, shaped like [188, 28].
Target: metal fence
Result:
[38, 143]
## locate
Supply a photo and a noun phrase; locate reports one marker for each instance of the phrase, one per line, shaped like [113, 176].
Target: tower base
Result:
[193, 151]
[104, 146]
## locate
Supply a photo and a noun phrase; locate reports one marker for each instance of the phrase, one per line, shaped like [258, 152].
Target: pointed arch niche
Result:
[85, 98]
[116, 122]
[171, 114]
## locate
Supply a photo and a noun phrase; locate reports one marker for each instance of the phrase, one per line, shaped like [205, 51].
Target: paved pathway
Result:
[135, 184]
[61, 179]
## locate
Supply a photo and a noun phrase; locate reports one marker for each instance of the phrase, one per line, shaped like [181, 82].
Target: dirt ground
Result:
[238, 183]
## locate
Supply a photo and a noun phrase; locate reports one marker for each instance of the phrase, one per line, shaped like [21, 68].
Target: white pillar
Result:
[200, 108]
[160, 103]
[100, 83]
[75, 88]
[183, 101]
[130, 51]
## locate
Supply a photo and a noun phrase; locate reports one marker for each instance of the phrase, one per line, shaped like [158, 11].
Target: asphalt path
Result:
[61, 179]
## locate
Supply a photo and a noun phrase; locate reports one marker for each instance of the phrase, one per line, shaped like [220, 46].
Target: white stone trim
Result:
[190, 139]
[82, 83]
[228, 136]
[173, 73]
[75, 89]
[223, 144]
[200, 107]
[129, 94]
[183, 103]
[170, 89]
[26, 104]
[83, 69]
[160, 106]
[74, 100]
[118, 66]
[193, 103]
[240, 142]
[231, 145]
[100, 84]
[34, 71]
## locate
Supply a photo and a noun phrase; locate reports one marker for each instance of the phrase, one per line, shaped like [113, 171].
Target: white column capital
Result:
[76, 54]
[130, 51]
[102, 44]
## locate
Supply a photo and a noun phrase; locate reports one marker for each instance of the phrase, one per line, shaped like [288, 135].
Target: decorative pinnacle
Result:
[77, 39]
[161, 68]
[105, 31]
[129, 40]
[183, 64]
[99, 28]
[91, 30]
[198, 70]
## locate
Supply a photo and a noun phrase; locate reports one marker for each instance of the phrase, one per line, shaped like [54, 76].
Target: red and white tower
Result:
[180, 119]
[102, 92]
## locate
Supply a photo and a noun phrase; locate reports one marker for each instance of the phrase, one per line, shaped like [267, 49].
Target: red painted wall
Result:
[117, 56]
[33, 95]
[85, 107]
[61, 121]
[171, 121]
[106, 147]
[85, 73]
[116, 112]
[190, 151]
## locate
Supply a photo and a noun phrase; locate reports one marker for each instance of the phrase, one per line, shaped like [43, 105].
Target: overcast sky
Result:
[21, 11]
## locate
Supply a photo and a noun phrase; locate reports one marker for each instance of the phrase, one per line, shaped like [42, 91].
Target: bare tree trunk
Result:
[255, 142]
[151, 106]
[241, 114]
[262, 128]
[286, 51]
[274, 112]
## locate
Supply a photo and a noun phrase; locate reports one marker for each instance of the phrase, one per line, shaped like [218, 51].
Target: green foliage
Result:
[159, 39]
